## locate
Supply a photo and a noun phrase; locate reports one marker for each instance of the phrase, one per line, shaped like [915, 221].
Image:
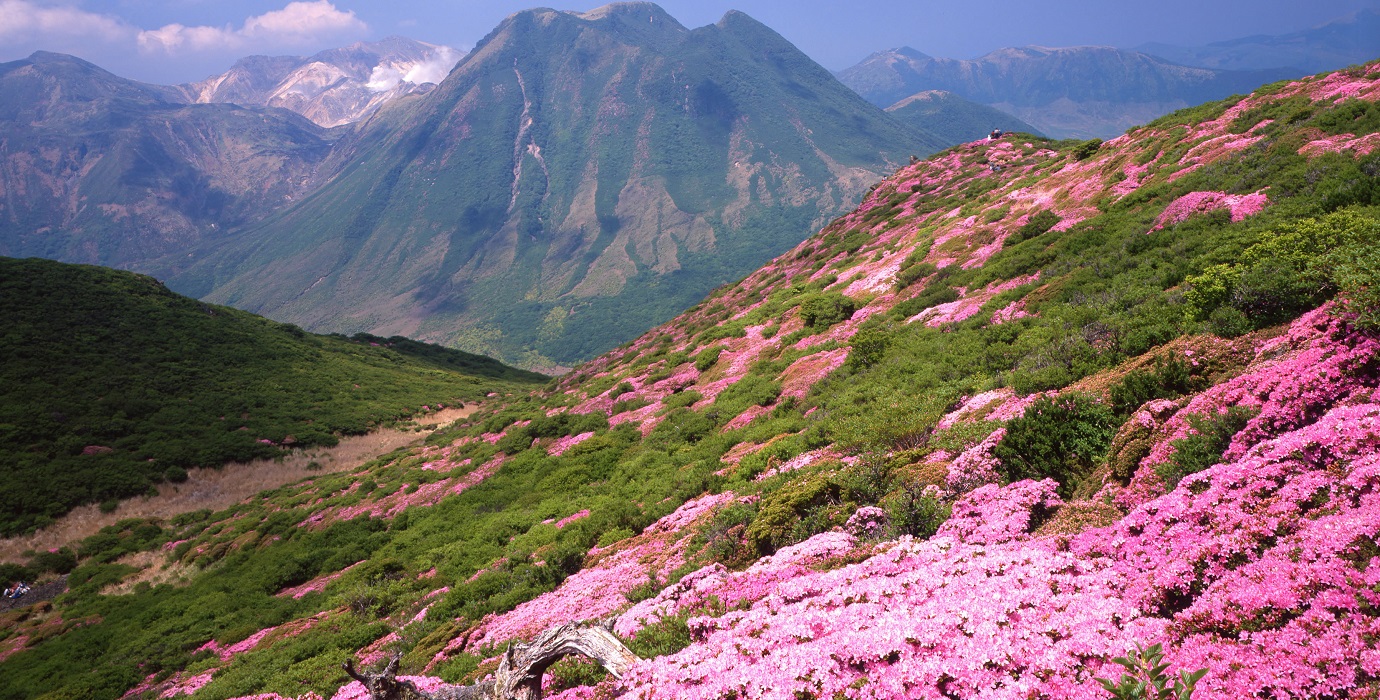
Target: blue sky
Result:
[171, 41]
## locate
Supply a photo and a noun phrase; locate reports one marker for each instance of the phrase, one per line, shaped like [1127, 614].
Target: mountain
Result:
[334, 87]
[570, 163]
[952, 118]
[111, 384]
[1071, 92]
[979, 437]
[1350, 40]
[98, 169]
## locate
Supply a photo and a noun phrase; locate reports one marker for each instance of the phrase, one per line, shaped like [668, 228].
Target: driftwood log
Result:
[520, 670]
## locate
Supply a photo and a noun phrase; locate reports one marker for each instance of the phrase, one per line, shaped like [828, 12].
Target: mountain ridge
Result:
[584, 214]
[1079, 92]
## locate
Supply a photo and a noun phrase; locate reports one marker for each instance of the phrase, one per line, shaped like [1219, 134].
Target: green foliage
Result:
[916, 510]
[1145, 677]
[708, 357]
[825, 309]
[1057, 437]
[869, 345]
[1354, 263]
[1164, 379]
[1036, 225]
[1203, 447]
[1086, 149]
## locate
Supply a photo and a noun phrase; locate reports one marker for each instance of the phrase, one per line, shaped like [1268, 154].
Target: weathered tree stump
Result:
[520, 671]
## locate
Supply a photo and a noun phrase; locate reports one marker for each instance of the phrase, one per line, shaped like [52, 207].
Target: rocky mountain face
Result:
[98, 169]
[1350, 40]
[953, 118]
[1072, 92]
[334, 87]
[1029, 406]
[578, 178]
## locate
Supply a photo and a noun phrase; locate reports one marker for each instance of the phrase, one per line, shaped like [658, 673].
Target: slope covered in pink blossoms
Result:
[1031, 406]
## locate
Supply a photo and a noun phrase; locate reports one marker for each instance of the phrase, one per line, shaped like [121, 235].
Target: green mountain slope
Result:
[111, 384]
[98, 169]
[570, 163]
[974, 407]
[954, 119]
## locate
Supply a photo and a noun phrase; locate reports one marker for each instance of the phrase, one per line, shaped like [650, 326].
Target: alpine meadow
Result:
[988, 416]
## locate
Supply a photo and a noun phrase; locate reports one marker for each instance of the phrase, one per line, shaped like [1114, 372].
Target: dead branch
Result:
[519, 672]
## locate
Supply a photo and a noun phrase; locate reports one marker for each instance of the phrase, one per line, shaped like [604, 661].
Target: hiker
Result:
[996, 134]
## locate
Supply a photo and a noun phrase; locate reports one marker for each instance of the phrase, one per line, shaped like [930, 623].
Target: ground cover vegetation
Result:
[1038, 419]
[112, 385]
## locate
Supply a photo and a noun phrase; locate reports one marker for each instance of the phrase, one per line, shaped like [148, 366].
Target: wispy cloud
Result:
[433, 69]
[297, 24]
[22, 19]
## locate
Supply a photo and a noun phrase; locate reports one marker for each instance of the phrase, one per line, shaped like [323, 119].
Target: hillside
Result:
[112, 385]
[571, 162]
[954, 119]
[1032, 405]
[334, 87]
[1065, 92]
[98, 169]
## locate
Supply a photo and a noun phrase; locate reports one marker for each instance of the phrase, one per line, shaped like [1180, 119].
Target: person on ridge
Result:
[996, 134]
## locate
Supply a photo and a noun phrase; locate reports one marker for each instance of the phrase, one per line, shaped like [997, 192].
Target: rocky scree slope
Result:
[1031, 405]
[571, 162]
[334, 87]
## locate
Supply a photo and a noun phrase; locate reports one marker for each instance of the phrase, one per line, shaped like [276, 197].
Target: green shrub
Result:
[1057, 437]
[1164, 379]
[1203, 447]
[707, 358]
[1037, 225]
[1145, 677]
[1086, 149]
[826, 309]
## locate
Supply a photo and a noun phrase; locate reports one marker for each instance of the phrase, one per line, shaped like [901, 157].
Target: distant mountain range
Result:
[1350, 40]
[1077, 92]
[570, 163]
[339, 86]
[98, 169]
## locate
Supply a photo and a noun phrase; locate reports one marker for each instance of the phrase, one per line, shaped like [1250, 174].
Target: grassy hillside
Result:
[112, 384]
[1031, 405]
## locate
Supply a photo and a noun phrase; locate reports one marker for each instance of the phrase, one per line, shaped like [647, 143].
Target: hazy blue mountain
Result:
[953, 118]
[1352, 39]
[1080, 91]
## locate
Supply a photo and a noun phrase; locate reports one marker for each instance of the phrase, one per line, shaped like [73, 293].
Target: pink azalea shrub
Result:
[976, 466]
[993, 514]
[601, 587]
[1240, 206]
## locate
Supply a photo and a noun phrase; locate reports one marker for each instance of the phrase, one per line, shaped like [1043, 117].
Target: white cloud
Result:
[299, 23]
[23, 20]
[433, 69]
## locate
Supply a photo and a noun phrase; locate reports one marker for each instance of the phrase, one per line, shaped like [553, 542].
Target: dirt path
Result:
[221, 488]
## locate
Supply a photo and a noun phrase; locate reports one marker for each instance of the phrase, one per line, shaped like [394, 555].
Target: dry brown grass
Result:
[216, 489]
